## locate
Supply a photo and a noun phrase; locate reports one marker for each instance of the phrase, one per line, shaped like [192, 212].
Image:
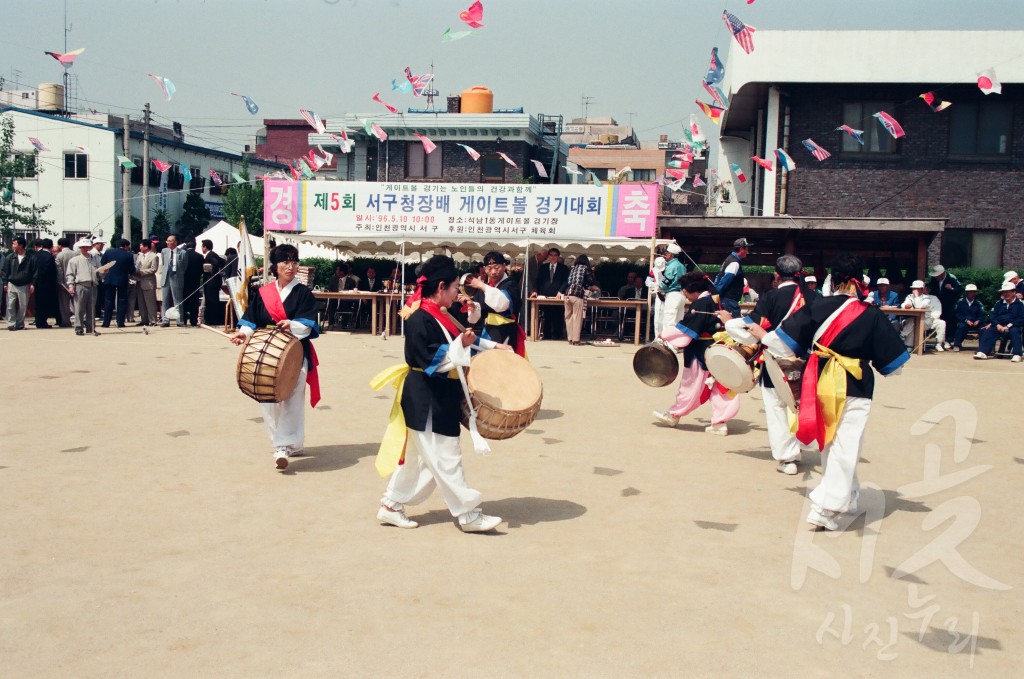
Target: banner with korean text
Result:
[493, 211]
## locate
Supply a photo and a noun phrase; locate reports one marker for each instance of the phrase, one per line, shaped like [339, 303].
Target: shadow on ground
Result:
[516, 511]
[332, 458]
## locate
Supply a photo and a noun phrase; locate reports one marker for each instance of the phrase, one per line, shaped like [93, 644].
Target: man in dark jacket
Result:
[45, 283]
[969, 315]
[115, 285]
[193, 281]
[1005, 320]
[548, 281]
[212, 265]
[729, 281]
[18, 273]
[948, 289]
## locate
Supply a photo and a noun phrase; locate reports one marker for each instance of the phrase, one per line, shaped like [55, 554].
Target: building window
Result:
[643, 175]
[975, 248]
[137, 170]
[24, 165]
[76, 166]
[980, 128]
[858, 115]
[422, 165]
[492, 170]
[198, 182]
[218, 189]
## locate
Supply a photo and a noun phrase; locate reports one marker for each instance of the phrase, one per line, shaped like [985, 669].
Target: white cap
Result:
[83, 243]
[970, 287]
[1010, 274]
[882, 281]
[917, 284]
[937, 270]
[810, 279]
[1007, 287]
[659, 263]
[674, 248]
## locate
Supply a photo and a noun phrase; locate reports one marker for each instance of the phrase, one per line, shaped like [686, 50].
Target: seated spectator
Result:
[1005, 320]
[883, 295]
[340, 281]
[812, 284]
[969, 315]
[919, 299]
[1012, 277]
[634, 287]
[372, 282]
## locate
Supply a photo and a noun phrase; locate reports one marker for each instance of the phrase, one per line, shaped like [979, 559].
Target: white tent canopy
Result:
[225, 236]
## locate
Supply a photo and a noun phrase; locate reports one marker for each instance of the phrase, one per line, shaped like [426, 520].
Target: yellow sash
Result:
[498, 319]
[832, 386]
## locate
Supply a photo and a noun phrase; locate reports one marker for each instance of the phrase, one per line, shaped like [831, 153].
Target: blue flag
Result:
[186, 173]
[716, 69]
[251, 105]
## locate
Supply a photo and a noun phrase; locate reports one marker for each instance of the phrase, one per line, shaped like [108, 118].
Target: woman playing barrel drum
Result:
[428, 395]
[290, 306]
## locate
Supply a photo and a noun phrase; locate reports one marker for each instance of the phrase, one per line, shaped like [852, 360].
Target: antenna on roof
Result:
[431, 92]
[585, 103]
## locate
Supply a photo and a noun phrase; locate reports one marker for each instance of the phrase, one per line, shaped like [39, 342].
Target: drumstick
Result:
[462, 328]
[212, 329]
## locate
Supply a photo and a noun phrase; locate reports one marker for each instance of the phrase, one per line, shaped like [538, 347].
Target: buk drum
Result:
[786, 375]
[269, 366]
[506, 392]
[656, 364]
[732, 365]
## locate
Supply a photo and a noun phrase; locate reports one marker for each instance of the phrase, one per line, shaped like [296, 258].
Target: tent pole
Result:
[402, 304]
[650, 296]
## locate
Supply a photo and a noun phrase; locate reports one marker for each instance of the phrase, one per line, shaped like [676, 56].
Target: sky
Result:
[638, 61]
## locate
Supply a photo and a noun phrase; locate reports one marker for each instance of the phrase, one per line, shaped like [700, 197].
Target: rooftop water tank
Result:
[477, 100]
[51, 97]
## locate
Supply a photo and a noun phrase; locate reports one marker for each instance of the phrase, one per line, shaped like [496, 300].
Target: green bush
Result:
[987, 280]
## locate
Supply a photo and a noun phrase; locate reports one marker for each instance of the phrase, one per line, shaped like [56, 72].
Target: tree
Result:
[246, 199]
[136, 227]
[15, 214]
[161, 227]
[195, 217]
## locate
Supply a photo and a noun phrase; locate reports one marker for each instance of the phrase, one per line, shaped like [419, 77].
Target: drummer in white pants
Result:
[671, 287]
[654, 286]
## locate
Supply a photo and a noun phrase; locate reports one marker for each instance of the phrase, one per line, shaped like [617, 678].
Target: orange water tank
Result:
[477, 100]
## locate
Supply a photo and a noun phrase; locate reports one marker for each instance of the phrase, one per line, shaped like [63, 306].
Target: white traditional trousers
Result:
[675, 305]
[437, 463]
[286, 421]
[839, 458]
[785, 447]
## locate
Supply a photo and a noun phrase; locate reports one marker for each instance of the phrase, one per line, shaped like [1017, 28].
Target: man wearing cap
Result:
[81, 280]
[812, 284]
[729, 281]
[1006, 320]
[1012, 277]
[65, 303]
[883, 295]
[948, 289]
[969, 314]
[172, 280]
[674, 303]
[919, 299]
[499, 302]
[654, 284]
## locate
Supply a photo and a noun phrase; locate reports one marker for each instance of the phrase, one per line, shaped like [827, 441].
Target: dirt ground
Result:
[148, 534]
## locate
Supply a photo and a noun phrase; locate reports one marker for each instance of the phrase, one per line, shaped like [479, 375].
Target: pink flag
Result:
[386, 105]
[471, 151]
[216, 178]
[766, 164]
[675, 174]
[328, 157]
[541, 171]
[697, 181]
[507, 159]
[39, 146]
[474, 15]
[161, 166]
[428, 146]
[165, 84]
[890, 124]
[67, 59]
[314, 120]
[378, 131]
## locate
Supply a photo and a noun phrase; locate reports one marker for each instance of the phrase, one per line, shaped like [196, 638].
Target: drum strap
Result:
[275, 307]
[497, 319]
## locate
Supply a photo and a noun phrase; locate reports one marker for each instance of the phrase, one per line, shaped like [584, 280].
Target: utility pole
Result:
[145, 175]
[126, 180]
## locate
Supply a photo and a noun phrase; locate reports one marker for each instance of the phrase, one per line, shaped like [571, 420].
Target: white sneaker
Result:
[395, 517]
[281, 459]
[945, 345]
[956, 348]
[939, 347]
[980, 356]
[1015, 359]
[788, 468]
[666, 419]
[721, 429]
[822, 517]
[478, 522]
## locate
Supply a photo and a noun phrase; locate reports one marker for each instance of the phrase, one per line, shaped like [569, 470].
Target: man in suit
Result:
[96, 257]
[551, 276]
[18, 274]
[371, 283]
[193, 282]
[116, 281]
[172, 280]
[212, 265]
[46, 284]
[64, 300]
[146, 266]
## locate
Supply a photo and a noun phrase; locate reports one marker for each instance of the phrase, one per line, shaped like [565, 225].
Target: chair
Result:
[605, 319]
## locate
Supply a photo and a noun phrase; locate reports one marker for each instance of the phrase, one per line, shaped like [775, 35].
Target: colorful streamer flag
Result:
[186, 172]
[328, 157]
[508, 160]
[343, 141]
[738, 171]
[428, 146]
[249, 103]
[474, 15]
[679, 164]
[314, 120]
[451, 36]
[716, 93]
[890, 124]
[744, 34]
[305, 169]
[67, 59]
[39, 146]
[126, 162]
[313, 160]
[856, 134]
[785, 162]
[572, 171]
[677, 185]
[386, 105]
[161, 165]
[988, 83]
[376, 130]
[697, 181]
[816, 151]
[471, 151]
[165, 84]
[541, 170]
[420, 83]
[597, 182]
[239, 179]
[295, 172]
[716, 69]
[403, 86]
[216, 178]
[696, 135]
[713, 112]
[624, 171]
[675, 174]
[930, 99]
[766, 164]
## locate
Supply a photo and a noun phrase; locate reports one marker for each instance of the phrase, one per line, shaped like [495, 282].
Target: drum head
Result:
[779, 381]
[504, 380]
[656, 364]
[729, 367]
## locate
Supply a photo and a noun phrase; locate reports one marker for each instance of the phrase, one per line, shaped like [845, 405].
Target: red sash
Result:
[811, 423]
[275, 307]
[431, 307]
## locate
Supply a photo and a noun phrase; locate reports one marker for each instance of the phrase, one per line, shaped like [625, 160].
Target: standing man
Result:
[729, 281]
[81, 280]
[146, 267]
[193, 282]
[969, 314]
[948, 289]
[1006, 320]
[172, 280]
[550, 277]
[116, 281]
[45, 283]
[499, 302]
[212, 265]
[96, 255]
[670, 291]
[64, 298]
[18, 274]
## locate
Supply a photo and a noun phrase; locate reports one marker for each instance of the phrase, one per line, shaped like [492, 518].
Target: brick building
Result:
[964, 165]
[285, 140]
